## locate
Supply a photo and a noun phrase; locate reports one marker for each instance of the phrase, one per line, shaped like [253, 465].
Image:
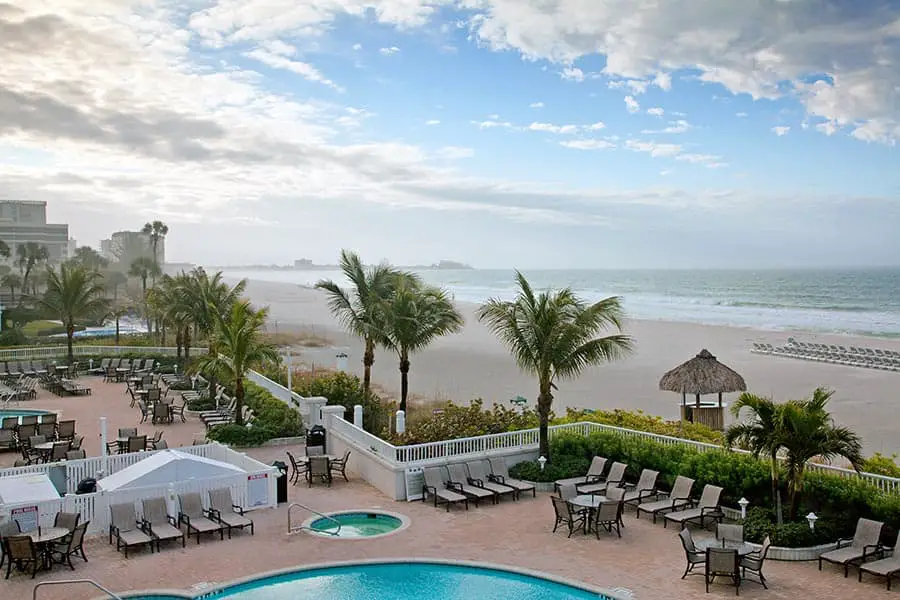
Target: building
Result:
[125, 246]
[303, 263]
[23, 221]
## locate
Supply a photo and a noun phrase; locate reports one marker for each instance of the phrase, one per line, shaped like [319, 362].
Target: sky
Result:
[501, 133]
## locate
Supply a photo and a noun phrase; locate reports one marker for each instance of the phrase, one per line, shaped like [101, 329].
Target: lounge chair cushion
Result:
[165, 531]
[233, 519]
[449, 495]
[843, 555]
[134, 537]
[571, 481]
[202, 524]
[658, 505]
[883, 567]
[592, 488]
[685, 515]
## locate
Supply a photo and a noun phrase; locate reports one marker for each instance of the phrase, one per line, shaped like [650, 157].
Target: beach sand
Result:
[473, 364]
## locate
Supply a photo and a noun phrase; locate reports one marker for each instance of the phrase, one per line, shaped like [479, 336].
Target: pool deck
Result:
[647, 560]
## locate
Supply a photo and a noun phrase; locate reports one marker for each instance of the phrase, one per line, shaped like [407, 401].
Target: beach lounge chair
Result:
[707, 508]
[594, 474]
[195, 518]
[126, 528]
[159, 524]
[437, 486]
[866, 543]
[500, 474]
[645, 488]
[460, 480]
[101, 368]
[223, 510]
[478, 477]
[614, 478]
[886, 567]
[679, 497]
[565, 514]
[693, 556]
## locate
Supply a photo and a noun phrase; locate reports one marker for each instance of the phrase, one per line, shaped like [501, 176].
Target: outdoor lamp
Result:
[542, 461]
[743, 503]
[811, 518]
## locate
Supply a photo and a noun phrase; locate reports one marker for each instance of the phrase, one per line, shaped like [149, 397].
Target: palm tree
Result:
[553, 335]
[359, 310]
[117, 312]
[157, 230]
[73, 293]
[144, 267]
[89, 258]
[238, 335]
[414, 316]
[5, 251]
[28, 255]
[114, 280]
[13, 282]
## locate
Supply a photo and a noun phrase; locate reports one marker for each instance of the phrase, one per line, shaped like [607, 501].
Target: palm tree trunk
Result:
[70, 333]
[187, 343]
[404, 380]
[211, 352]
[238, 400]
[162, 335]
[117, 329]
[368, 361]
[545, 401]
[178, 340]
[776, 498]
[794, 490]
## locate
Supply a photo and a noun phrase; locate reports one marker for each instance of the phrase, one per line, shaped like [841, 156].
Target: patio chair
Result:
[223, 510]
[567, 491]
[125, 432]
[101, 368]
[730, 532]
[158, 523]
[479, 478]
[73, 546]
[49, 418]
[565, 514]
[500, 474]
[195, 518]
[693, 556]
[318, 468]
[679, 497]
[339, 465]
[7, 439]
[594, 474]
[161, 412]
[22, 552]
[48, 430]
[137, 443]
[460, 481]
[59, 451]
[707, 508]
[178, 411]
[866, 543]
[885, 567]
[66, 430]
[296, 469]
[109, 375]
[614, 478]
[608, 515]
[161, 445]
[79, 454]
[126, 528]
[67, 520]
[723, 562]
[438, 487]
[754, 562]
[645, 488]
[8, 529]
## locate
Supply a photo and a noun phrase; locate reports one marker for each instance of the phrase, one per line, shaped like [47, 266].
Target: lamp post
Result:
[542, 461]
[743, 502]
[811, 518]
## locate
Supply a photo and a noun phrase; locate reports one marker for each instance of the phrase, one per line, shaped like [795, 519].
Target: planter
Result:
[795, 554]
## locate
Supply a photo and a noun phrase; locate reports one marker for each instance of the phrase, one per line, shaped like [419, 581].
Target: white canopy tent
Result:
[24, 489]
[167, 466]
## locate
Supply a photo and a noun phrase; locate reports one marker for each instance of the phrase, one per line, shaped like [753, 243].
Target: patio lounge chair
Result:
[693, 556]
[886, 567]
[866, 543]
[460, 481]
[126, 528]
[223, 510]
[707, 508]
[478, 477]
[437, 486]
[614, 478]
[159, 524]
[643, 489]
[594, 474]
[679, 497]
[565, 514]
[195, 518]
[500, 474]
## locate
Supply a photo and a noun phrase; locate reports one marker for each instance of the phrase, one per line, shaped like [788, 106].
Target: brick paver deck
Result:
[648, 559]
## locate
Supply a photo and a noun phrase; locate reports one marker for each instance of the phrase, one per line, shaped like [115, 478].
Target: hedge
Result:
[272, 418]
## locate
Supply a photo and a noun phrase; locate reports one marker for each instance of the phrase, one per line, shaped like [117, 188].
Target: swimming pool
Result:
[15, 412]
[356, 524]
[407, 580]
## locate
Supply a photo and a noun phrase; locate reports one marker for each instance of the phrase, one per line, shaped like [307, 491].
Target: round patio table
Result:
[589, 503]
[43, 537]
[742, 548]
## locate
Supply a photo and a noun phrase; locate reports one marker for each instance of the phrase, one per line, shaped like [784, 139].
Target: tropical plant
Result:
[73, 293]
[12, 281]
[28, 255]
[360, 309]
[156, 231]
[114, 280]
[5, 252]
[414, 316]
[553, 335]
[238, 335]
[144, 268]
[89, 258]
[116, 312]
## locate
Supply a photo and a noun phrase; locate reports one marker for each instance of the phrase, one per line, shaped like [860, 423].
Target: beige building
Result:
[23, 221]
[125, 246]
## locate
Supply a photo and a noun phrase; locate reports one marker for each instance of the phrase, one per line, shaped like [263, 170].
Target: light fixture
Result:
[811, 518]
[743, 503]
[542, 461]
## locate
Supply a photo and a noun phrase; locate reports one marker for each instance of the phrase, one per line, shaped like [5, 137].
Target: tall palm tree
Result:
[73, 293]
[143, 268]
[28, 255]
[13, 282]
[238, 335]
[553, 335]
[414, 316]
[157, 230]
[89, 258]
[117, 311]
[360, 309]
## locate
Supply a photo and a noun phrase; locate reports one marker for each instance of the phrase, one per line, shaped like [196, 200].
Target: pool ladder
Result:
[291, 529]
[38, 586]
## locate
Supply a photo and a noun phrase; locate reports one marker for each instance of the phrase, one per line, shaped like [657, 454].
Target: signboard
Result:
[26, 517]
[257, 490]
[415, 479]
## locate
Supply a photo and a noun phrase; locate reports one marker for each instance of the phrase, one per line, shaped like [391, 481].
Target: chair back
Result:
[499, 467]
[34, 440]
[114, 364]
[615, 494]
[77, 538]
[294, 465]
[125, 432]
[682, 488]
[608, 512]
[598, 463]
[318, 466]
[162, 445]
[136, 443]
[616, 474]
[104, 363]
[765, 548]
[155, 511]
[220, 500]
[20, 547]
[66, 429]
[49, 418]
[457, 473]
[710, 496]
[29, 420]
[434, 478]
[59, 451]
[146, 381]
[9, 529]
[477, 470]
[125, 364]
[123, 516]
[9, 423]
[153, 394]
[567, 491]
[561, 508]
[48, 430]
[160, 410]
[722, 561]
[191, 505]
[647, 480]
[67, 520]
[868, 533]
[76, 454]
[728, 532]
[26, 431]
[110, 372]
[687, 541]
[315, 450]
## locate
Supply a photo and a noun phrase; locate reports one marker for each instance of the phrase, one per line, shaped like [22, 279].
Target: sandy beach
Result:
[473, 364]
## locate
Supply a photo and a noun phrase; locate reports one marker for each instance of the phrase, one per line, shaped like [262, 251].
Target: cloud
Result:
[677, 126]
[357, 47]
[781, 130]
[536, 105]
[741, 115]
[492, 123]
[676, 151]
[572, 74]
[655, 111]
[277, 60]
[631, 104]
[455, 152]
[550, 128]
[596, 126]
[587, 144]
[388, 51]
[432, 122]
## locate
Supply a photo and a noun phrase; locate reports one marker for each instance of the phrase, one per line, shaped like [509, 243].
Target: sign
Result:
[257, 490]
[415, 479]
[26, 517]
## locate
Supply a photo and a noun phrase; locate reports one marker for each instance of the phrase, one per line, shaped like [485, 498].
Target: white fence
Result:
[43, 352]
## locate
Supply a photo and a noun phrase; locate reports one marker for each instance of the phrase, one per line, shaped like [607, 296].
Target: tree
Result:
[553, 336]
[238, 335]
[13, 282]
[28, 255]
[414, 316]
[144, 268]
[360, 310]
[89, 258]
[156, 231]
[117, 312]
[73, 293]
[114, 280]
[5, 252]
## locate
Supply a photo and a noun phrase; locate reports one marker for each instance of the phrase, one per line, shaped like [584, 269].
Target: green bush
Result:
[201, 403]
[236, 435]
[272, 418]
[456, 421]
[345, 390]
[760, 522]
[641, 421]
[880, 464]
[13, 337]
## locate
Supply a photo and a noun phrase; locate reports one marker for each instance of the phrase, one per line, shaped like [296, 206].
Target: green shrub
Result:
[236, 435]
[201, 403]
[13, 337]
[882, 465]
[456, 421]
[272, 418]
[345, 390]
[641, 421]
[761, 522]
[569, 466]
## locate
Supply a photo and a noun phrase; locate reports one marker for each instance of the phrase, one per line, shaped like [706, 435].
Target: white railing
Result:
[289, 397]
[43, 352]
[364, 440]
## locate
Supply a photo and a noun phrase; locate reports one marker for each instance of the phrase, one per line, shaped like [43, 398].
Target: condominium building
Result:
[23, 221]
[125, 246]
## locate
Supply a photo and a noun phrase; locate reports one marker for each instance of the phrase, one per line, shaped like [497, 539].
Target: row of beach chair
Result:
[854, 356]
[474, 480]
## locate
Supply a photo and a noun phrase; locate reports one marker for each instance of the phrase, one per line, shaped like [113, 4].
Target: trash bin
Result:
[281, 482]
[86, 486]
[315, 436]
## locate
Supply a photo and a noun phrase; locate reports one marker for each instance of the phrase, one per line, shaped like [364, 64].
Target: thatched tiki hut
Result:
[700, 376]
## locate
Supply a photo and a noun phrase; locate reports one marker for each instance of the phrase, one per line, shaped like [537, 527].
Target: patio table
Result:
[590, 503]
[743, 549]
[43, 537]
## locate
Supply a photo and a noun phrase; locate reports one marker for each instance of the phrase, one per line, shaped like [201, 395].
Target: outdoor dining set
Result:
[317, 466]
[32, 548]
[47, 440]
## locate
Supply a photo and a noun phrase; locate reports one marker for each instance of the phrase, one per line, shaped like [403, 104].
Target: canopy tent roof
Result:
[701, 375]
[167, 466]
[29, 488]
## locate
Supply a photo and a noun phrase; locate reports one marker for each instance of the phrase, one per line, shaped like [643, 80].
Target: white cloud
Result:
[491, 124]
[631, 104]
[828, 127]
[677, 126]
[536, 105]
[279, 61]
[455, 152]
[654, 149]
[550, 128]
[572, 74]
[655, 111]
[596, 126]
[587, 144]
[432, 122]
[635, 86]
[780, 130]
[389, 51]
[357, 47]
[741, 115]
[663, 81]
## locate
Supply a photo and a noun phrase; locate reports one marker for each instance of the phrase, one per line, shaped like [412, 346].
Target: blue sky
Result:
[498, 132]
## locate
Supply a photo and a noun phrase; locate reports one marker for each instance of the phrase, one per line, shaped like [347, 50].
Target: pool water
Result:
[358, 524]
[401, 581]
[22, 413]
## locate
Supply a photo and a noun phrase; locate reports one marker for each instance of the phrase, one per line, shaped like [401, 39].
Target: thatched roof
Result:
[703, 374]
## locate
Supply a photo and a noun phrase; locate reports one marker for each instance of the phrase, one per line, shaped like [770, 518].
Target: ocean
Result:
[857, 301]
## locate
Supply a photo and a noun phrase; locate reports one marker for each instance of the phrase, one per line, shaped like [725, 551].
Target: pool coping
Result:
[404, 524]
[215, 588]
